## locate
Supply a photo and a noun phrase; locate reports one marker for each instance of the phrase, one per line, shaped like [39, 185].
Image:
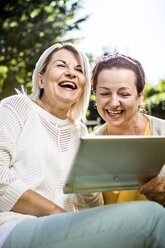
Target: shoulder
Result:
[157, 125]
[82, 128]
[16, 101]
[99, 130]
[17, 105]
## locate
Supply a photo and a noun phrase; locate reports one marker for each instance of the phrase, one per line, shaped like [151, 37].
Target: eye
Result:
[104, 94]
[60, 65]
[124, 94]
[79, 69]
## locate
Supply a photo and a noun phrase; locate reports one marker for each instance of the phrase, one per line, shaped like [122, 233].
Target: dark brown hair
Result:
[119, 61]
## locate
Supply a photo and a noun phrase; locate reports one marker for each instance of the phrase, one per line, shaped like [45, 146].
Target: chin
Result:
[68, 100]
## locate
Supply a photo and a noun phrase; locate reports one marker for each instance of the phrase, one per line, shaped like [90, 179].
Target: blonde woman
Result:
[39, 136]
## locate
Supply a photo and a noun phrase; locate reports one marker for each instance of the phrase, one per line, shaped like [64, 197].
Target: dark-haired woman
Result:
[118, 82]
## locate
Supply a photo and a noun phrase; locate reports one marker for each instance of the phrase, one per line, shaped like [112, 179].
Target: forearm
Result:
[35, 204]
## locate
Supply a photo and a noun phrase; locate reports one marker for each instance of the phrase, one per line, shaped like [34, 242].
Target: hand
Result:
[154, 189]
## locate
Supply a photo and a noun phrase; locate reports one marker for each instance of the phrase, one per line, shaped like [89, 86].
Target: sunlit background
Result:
[134, 27]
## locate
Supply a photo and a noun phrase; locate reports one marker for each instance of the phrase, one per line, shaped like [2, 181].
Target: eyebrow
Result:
[63, 61]
[104, 88]
[124, 88]
[60, 60]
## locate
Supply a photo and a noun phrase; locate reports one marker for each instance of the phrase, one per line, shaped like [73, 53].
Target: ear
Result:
[141, 94]
[140, 97]
[40, 81]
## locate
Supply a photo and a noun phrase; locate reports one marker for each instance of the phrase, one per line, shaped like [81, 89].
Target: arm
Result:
[15, 194]
[34, 204]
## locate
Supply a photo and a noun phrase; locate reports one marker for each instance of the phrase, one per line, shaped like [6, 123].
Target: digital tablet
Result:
[106, 163]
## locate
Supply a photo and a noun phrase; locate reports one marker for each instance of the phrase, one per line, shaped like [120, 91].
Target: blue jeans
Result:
[125, 225]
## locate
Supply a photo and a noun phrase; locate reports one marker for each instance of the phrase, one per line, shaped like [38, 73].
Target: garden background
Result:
[28, 27]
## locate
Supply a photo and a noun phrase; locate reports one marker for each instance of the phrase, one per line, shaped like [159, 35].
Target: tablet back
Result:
[105, 163]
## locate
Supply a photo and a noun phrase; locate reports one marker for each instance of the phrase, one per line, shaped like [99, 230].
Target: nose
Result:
[70, 72]
[114, 101]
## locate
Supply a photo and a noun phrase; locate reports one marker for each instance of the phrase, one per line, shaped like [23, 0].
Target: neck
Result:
[59, 112]
[134, 127]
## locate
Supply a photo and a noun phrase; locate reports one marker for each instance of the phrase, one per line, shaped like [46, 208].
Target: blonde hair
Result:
[78, 109]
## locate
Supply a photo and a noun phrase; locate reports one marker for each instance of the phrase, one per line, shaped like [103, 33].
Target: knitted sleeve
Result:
[157, 125]
[13, 111]
[88, 200]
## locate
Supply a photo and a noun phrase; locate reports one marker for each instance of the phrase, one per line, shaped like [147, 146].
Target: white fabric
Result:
[36, 150]
[6, 231]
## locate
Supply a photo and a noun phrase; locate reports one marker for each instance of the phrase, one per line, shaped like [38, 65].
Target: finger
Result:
[151, 185]
[159, 198]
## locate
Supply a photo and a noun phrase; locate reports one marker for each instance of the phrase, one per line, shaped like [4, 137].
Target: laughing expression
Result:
[63, 82]
[117, 99]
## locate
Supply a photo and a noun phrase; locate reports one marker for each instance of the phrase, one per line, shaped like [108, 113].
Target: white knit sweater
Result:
[36, 150]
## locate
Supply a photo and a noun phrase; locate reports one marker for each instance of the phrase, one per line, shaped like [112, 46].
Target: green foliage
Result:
[3, 75]
[27, 28]
[154, 98]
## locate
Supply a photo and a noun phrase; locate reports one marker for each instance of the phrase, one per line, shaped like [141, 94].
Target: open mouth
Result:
[114, 113]
[69, 85]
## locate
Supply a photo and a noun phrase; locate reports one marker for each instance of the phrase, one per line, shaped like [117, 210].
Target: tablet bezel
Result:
[87, 174]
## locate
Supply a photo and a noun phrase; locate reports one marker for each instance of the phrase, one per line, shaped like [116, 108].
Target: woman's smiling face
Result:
[117, 98]
[63, 81]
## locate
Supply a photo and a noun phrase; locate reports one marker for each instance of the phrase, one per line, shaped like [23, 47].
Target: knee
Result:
[150, 213]
[138, 210]
[146, 207]
[150, 207]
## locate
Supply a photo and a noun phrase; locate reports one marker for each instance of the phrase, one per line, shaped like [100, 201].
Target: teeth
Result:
[114, 112]
[68, 84]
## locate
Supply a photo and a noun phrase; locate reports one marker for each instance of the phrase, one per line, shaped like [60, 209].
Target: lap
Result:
[134, 223]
